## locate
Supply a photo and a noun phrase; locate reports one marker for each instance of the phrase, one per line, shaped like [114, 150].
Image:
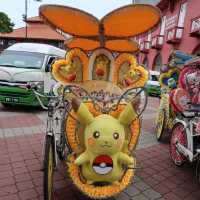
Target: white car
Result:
[24, 64]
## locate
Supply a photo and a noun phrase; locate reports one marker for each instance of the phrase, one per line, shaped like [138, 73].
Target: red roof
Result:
[35, 30]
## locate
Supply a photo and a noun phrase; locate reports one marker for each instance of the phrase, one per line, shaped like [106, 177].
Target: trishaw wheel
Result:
[160, 125]
[48, 169]
[178, 135]
[198, 169]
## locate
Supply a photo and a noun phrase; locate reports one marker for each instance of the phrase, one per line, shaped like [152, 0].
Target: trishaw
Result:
[185, 100]
[169, 81]
[94, 111]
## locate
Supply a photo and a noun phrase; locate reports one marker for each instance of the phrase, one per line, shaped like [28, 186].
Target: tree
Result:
[6, 25]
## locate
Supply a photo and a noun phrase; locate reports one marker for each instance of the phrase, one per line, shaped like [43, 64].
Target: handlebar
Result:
[39, 95]
[106, 102]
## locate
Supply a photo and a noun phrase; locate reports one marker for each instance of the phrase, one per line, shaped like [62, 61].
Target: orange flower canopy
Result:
[83, 43]
[112, 31]
[118, 45]
[130, 20]
[121, 45]
[70, 20]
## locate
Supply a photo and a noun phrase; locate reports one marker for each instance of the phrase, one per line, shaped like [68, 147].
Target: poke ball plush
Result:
[103, 164]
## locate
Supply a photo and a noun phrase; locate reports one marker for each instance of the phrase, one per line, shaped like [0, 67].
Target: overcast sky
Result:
[16, 8]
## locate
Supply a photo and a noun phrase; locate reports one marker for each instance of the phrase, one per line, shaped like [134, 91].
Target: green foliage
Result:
[6, 25]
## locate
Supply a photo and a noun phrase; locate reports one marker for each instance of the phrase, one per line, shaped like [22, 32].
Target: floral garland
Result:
[99, 192]
[56, 67]
[127, 57]
[74, 170]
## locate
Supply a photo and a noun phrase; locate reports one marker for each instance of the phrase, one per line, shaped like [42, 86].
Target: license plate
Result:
[12, 99]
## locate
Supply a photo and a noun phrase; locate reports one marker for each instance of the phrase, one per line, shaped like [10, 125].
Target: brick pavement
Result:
[21, 163]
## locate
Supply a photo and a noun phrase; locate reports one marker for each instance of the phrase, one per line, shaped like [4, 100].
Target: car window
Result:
[21, 59]
[50, 61]
[154, 78]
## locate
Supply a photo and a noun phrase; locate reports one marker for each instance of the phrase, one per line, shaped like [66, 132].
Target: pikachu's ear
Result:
[127, 115]
[83, 114]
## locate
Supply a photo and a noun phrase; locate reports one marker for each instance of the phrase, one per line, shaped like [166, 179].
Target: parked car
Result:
[153, 85]
[25, 64]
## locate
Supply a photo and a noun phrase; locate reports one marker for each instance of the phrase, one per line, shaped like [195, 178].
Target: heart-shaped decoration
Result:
[65, 70]
[183, 75]
[164, 77]
[135, 76]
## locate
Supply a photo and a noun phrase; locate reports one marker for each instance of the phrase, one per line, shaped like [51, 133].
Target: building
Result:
[35, 31]
[179, 29]
[152, 2]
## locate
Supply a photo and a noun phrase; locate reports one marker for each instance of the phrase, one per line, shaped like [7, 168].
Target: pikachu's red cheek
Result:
[91, 141]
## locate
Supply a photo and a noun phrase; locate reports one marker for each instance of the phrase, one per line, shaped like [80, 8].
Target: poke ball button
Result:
[102, 164]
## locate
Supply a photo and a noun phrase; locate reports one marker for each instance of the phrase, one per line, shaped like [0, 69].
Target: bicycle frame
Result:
[189, 130]
[55, 110]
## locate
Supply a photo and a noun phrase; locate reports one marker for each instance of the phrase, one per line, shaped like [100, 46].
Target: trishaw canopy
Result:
[113, 31]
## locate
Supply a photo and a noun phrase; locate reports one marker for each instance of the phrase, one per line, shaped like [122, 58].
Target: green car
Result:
[153, 85]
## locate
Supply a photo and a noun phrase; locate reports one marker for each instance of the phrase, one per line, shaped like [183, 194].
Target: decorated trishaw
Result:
[169, 77]
[94, 111]
[179, 111]
[185, 101]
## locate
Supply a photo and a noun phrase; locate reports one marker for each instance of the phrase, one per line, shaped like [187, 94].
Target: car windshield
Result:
[154, 78]
[21, 59]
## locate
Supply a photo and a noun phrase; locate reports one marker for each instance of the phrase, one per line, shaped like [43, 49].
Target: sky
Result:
[16, 8]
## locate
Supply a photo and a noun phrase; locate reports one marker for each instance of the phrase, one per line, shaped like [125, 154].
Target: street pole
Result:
[25, 17]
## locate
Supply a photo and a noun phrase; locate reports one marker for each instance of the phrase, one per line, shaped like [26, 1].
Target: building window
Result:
[157, 63]
[145, 63]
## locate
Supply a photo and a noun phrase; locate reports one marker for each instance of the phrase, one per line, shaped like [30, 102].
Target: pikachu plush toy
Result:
[104, 158]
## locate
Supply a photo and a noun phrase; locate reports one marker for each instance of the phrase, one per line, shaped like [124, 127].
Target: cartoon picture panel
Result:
[123, 71]
[100, 65]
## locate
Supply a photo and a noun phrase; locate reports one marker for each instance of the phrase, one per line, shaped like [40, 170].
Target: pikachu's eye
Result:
[96, 134]
[115, 135]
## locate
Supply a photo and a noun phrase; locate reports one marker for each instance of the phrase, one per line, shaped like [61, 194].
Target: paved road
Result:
[21, 136]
